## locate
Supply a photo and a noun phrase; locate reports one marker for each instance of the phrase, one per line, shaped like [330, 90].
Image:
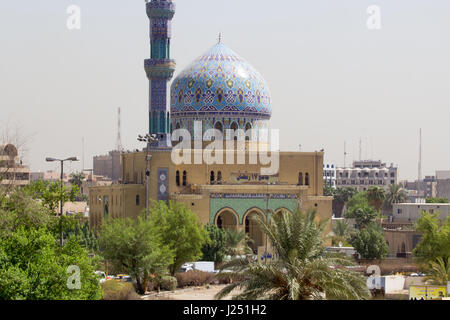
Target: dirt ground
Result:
[195, 293]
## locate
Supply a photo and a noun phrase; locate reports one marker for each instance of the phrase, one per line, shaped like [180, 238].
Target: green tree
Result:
[370, 243]
[50, 193]
[179, 230]
[77, 179]
[341, 232]
[301, 270]
[34, 267]
[364, 214]
[328, 190]
[238, 242]
[21, 210]
[395, 194]
[435, 242]
[376, 197]
[340, 198]
[133, 246]
[215, 249]
[83, 234]
[438, 271]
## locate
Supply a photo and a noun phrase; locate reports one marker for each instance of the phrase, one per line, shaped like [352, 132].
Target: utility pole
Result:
[148, 139]
[61, 200]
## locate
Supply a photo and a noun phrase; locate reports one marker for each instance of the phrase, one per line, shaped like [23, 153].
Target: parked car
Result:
[205, 266]
[123, 278]
[101, 275]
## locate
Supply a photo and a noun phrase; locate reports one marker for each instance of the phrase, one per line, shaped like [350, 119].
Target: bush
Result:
[168, 283]
[114, 290]
[194, 278]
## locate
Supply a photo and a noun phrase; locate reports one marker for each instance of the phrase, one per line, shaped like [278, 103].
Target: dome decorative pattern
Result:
[220, 82]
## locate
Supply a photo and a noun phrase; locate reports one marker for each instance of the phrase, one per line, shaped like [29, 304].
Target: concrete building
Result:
[329, 175]
[220, 91]
[410, 212]
[427, 188]
[49, 176]
[12, 171]
[366, 173]
[443, 184]
[109, 165]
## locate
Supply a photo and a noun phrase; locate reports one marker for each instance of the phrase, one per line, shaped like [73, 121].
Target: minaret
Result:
[159, 69]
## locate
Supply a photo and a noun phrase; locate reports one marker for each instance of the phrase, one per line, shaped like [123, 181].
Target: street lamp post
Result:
[61, 200]
[147, 139]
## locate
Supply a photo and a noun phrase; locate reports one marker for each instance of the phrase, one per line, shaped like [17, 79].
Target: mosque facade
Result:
[219, 92]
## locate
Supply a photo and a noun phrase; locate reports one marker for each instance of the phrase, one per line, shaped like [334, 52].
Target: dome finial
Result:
[220, 37]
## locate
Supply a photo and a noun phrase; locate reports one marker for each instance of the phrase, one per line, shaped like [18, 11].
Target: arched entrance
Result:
[227, 219]
[253, 230]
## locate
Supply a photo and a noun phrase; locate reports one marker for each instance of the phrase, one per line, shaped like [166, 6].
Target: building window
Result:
[177, 178]
[300, 179]
[307, 179]
[184, 178]
[106, 207]
[212, 178]
[219, 176]
[137, 200]
[219, 126]
[234, 127]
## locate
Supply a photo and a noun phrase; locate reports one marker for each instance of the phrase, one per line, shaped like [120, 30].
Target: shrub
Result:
[168, 283]
[114, 290]
[194, 278]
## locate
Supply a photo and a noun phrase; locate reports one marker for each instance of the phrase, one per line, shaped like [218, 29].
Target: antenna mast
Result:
[82, 155]
[119, 138]
[345, 153]
[360, 149]
[420, 162]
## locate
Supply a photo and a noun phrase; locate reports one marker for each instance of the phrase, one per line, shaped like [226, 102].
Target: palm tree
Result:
[341, 231]
[341, 197]
[77, 179]
[237, 242]
[395, 194]
[300, 271]
[376, 196]
[439, 271]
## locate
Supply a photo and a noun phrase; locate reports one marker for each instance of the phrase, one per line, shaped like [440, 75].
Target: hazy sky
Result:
[332, 79]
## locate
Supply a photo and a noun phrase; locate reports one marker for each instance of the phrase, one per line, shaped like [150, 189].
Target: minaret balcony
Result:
[161, 9]
[160, 68]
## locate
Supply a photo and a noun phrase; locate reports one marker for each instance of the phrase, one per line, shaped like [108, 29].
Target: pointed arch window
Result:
[300, 179]
[177, 178]
[184, 178]
[212, 177]
[219, 126]
[307, 179]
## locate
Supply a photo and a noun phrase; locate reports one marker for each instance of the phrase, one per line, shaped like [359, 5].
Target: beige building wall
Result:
[204, 197]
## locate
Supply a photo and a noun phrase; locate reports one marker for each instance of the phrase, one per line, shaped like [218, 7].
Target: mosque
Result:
[218, 92]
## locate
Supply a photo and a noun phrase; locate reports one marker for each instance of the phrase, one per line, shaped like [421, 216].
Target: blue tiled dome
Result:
[220, 83]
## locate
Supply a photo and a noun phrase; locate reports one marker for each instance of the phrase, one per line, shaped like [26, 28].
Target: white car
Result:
[101, 275]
